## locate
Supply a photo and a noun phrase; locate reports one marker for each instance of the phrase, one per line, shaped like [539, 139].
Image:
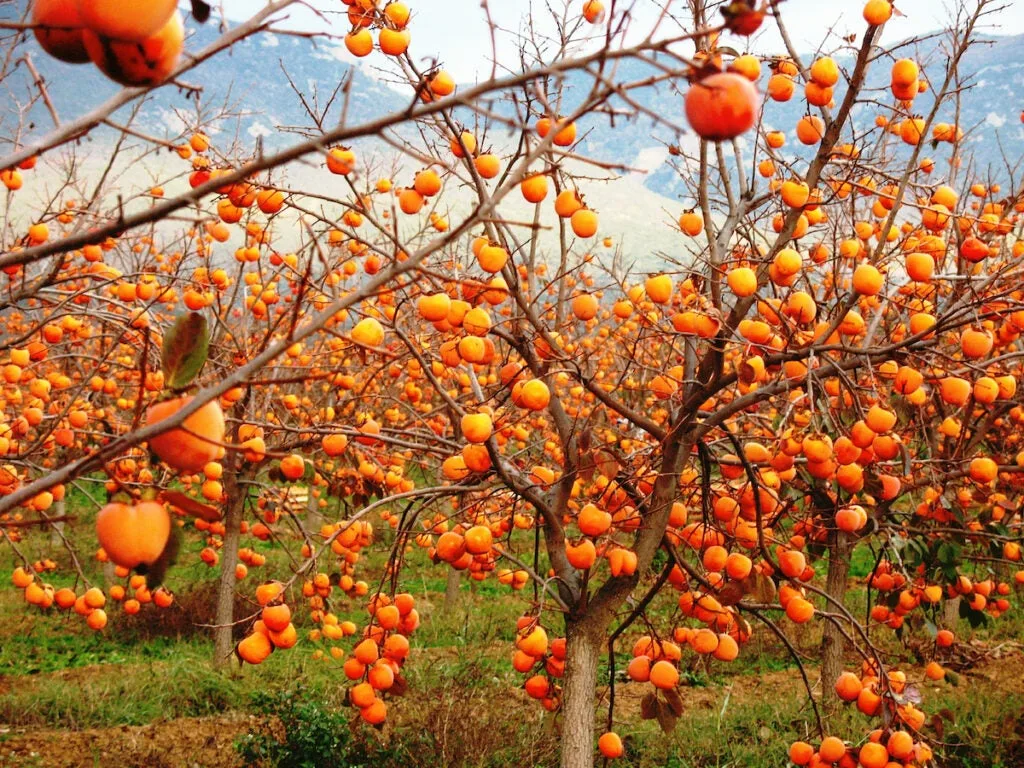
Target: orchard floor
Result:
[144, 692]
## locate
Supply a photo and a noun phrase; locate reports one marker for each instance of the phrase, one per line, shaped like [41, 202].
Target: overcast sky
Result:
[456, 30]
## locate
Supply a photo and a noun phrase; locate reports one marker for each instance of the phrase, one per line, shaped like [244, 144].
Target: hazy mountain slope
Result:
[248, 82]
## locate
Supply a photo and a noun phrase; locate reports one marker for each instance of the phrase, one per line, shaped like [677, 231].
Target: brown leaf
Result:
[674, 700]
[666, 719]
[586, 466]
[155, 572]
[760, 587]
[606, 463]
[399, 687]
[585, 439]
[649, 706]
[190, 506]
[731, 593]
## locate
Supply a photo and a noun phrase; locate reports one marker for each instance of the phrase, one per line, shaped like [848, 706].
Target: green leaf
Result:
[948, 554]
[185, 349]
[155, 573]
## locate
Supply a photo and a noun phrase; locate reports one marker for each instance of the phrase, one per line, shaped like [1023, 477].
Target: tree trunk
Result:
[109, 575]
[451, 590]
[223, 641]
[950, 613]
[583, 650]
[314, 518]
[832, 642]
[56, 529]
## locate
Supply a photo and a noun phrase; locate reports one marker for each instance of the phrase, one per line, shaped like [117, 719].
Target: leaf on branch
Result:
[399, 687]
[606, 463]
[155, 573]
[666, 719]
[649, 706]
[731, 593]
[586, 466]
[585, 439]
[674, 701]
[190, 506]
[185, 348]
[760, 587]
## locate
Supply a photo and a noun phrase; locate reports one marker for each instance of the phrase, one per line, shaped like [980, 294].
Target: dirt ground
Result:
[187, 743]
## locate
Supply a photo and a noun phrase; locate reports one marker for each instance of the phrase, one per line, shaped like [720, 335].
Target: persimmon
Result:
[59, 29]
[584, 223]
[593, 11]
[877, 12]
[534, 188]
[831, 749]
[487, 165]
[133, 535]
[801, 753]
[721, 106]
[393, 42]
[126, 21]
[197, 441]
[810, 129]
[135, 62]
[691, 223]
[254, 648]
[585, 306]
[610, 745]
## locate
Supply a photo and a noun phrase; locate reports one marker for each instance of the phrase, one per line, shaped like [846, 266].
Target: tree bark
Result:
[950, 613]
[56, 529]
[314, 517]
[832, 642]
[223, 640]
[451, 590]
[583, 650]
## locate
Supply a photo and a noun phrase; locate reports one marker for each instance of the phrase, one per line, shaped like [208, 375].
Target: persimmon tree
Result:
[445, 341]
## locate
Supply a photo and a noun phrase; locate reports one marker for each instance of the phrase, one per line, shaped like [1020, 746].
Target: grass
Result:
[464, 706]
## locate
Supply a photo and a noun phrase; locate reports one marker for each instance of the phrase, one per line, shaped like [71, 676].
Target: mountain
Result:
[248, 82]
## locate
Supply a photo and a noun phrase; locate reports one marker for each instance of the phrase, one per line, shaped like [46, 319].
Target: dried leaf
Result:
[760, 587]
[185, 348]
[666, 719]
[674, 701]
[586, 466]
[606, 463]
[399, 687]
[938, 726]
[731, 593]
[649, 706]
[585, 439]
[190, 506]
[156, 571]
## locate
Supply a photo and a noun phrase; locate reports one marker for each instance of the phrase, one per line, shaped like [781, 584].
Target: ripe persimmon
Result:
[143, 62]
[133, 535]
[59, 29]
[721, 106]
[189, 447]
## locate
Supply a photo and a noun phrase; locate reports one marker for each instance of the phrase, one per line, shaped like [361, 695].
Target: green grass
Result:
[463, 708]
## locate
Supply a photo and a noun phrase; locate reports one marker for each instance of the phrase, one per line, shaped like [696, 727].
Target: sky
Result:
[456, 30]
